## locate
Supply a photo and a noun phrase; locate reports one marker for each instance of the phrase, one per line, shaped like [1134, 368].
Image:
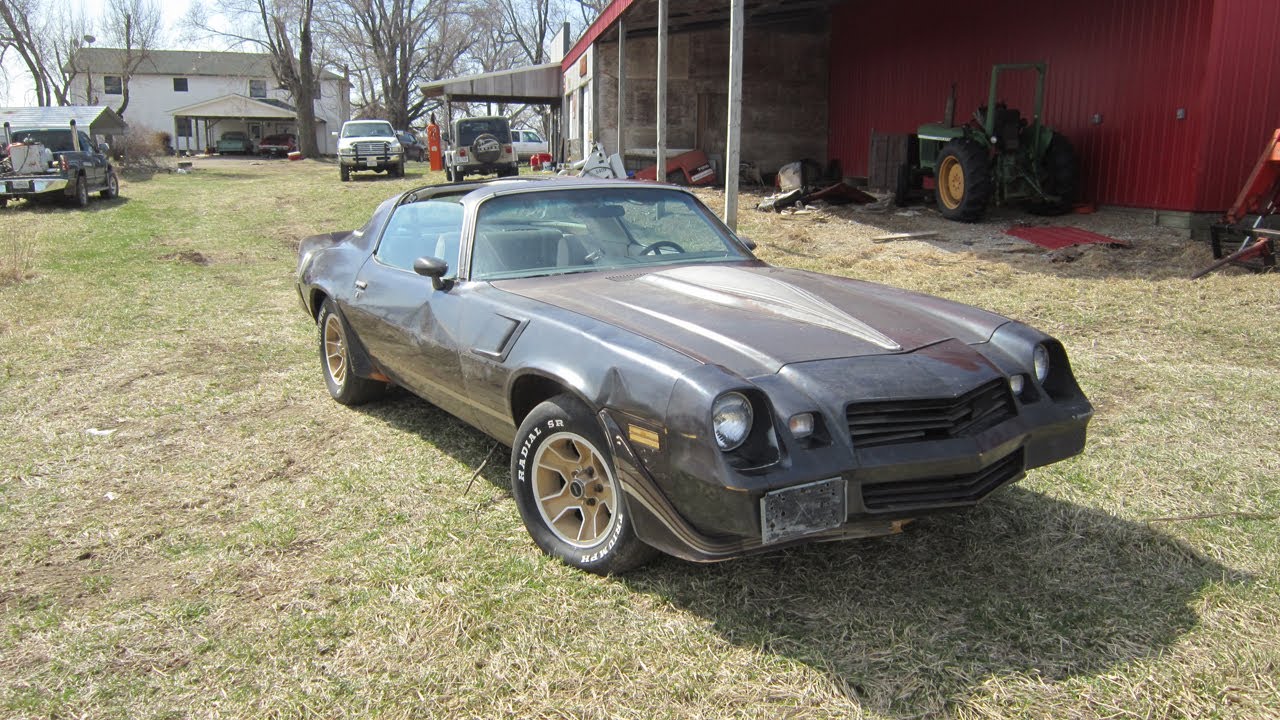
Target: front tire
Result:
[1057, 171]
[335, 361]
[964, 181]
[112, 190]
[344, 172]
[567, 492]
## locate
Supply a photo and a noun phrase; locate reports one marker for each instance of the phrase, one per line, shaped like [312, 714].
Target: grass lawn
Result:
[190, 527]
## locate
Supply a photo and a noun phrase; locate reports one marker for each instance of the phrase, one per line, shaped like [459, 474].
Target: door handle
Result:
[361, 285]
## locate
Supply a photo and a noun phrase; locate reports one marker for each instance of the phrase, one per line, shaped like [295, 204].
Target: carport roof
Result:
[238, 106]
[99, 119]
[534, 84]
[690, 15]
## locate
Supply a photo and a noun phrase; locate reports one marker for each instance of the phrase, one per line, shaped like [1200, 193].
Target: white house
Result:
[195, 96]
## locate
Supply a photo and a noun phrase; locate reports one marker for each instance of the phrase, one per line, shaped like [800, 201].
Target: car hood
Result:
[754, 319]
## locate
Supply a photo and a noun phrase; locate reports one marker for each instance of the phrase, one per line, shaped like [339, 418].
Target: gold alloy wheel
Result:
[951, 182]
[574, 489]
[335, 349]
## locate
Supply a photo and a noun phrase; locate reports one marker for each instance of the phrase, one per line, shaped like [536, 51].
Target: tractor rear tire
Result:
[964, 181]
[1057, 171]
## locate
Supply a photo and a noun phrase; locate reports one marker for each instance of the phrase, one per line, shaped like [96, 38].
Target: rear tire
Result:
[568, 493]
[1057, 174]
[335, 361]
[81, 198]
[964, 181]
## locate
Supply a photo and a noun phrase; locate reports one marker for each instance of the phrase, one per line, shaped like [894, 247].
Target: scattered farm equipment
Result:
[998, 157]
[1249, 225]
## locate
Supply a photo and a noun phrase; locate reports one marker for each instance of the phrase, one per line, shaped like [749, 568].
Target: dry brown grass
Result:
[230, 543]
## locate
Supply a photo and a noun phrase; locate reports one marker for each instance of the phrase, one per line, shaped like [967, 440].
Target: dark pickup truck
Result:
[54, 163]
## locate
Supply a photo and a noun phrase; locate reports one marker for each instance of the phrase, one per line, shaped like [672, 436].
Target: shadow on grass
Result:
[46, 206]
[911, 625]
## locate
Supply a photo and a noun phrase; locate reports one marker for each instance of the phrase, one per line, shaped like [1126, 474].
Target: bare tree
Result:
[45, 38]
[528, 24]
[282, 29]
[134, 26]
[392, 46]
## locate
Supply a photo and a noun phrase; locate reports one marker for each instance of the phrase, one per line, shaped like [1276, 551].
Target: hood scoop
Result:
[754, 292]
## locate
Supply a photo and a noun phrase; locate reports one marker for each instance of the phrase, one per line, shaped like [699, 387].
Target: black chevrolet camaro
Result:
[662, 389]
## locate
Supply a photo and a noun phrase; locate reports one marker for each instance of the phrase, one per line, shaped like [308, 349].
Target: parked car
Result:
[234, 141]
[528, 143]
[480, 145]
[278, 145]
[414, 149]
[369, 145]
[55, 163]
[661, 388]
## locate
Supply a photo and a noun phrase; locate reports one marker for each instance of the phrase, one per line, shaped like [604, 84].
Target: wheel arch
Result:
[530, 388]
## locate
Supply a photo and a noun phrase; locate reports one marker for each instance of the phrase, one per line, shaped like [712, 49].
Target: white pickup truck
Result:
[369, 145]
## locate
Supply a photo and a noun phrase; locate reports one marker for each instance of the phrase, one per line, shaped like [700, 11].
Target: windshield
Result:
[373, 128]
[469, 130]
[562, 231]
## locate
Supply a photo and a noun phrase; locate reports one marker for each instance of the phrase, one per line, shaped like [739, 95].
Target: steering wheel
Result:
[655, 247]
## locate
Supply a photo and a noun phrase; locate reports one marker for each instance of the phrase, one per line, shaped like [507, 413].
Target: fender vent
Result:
[904, 421]
[626, 276]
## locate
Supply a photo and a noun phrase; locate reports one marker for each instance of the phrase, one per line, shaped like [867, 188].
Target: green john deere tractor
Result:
[997, 157]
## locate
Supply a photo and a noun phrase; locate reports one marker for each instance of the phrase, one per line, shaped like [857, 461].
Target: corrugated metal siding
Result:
[1136, 62]
[1242, 99]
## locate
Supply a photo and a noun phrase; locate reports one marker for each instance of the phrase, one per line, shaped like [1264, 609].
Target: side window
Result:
[430, 228]
[179, 84]
[87, 145]
[113, 84]
[257, 88]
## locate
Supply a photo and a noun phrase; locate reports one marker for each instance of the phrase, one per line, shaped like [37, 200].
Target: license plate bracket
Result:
[801, 510]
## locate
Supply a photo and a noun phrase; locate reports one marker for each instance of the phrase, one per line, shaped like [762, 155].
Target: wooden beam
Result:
[733, 134]
[622, 90]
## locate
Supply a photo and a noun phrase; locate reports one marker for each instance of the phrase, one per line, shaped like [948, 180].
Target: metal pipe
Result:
[8, 137]
[75, 137]
[662, 91]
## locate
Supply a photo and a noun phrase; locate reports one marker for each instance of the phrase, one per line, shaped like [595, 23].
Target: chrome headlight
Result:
[1040, 361]
[731, 420]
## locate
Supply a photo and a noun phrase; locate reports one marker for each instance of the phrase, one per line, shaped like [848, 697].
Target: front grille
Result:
[901, 421]
[372, 148]
[941, 492]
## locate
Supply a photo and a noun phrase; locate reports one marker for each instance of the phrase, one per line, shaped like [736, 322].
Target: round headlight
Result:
[1040, 360]
[731, 420]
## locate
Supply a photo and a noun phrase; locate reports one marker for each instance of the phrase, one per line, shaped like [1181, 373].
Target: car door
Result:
[94, 162]
[406, 325]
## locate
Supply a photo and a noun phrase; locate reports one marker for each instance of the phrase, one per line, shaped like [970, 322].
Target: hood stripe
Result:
[742, 289]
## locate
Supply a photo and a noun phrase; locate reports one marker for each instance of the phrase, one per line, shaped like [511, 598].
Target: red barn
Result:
[1168, 102]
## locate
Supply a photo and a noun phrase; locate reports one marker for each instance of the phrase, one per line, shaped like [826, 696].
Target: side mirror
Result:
[751, 244]
[434, 268]
[104, 148]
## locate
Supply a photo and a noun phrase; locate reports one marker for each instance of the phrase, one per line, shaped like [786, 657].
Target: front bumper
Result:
[687, 502]
[371, 162]
[22, 187]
